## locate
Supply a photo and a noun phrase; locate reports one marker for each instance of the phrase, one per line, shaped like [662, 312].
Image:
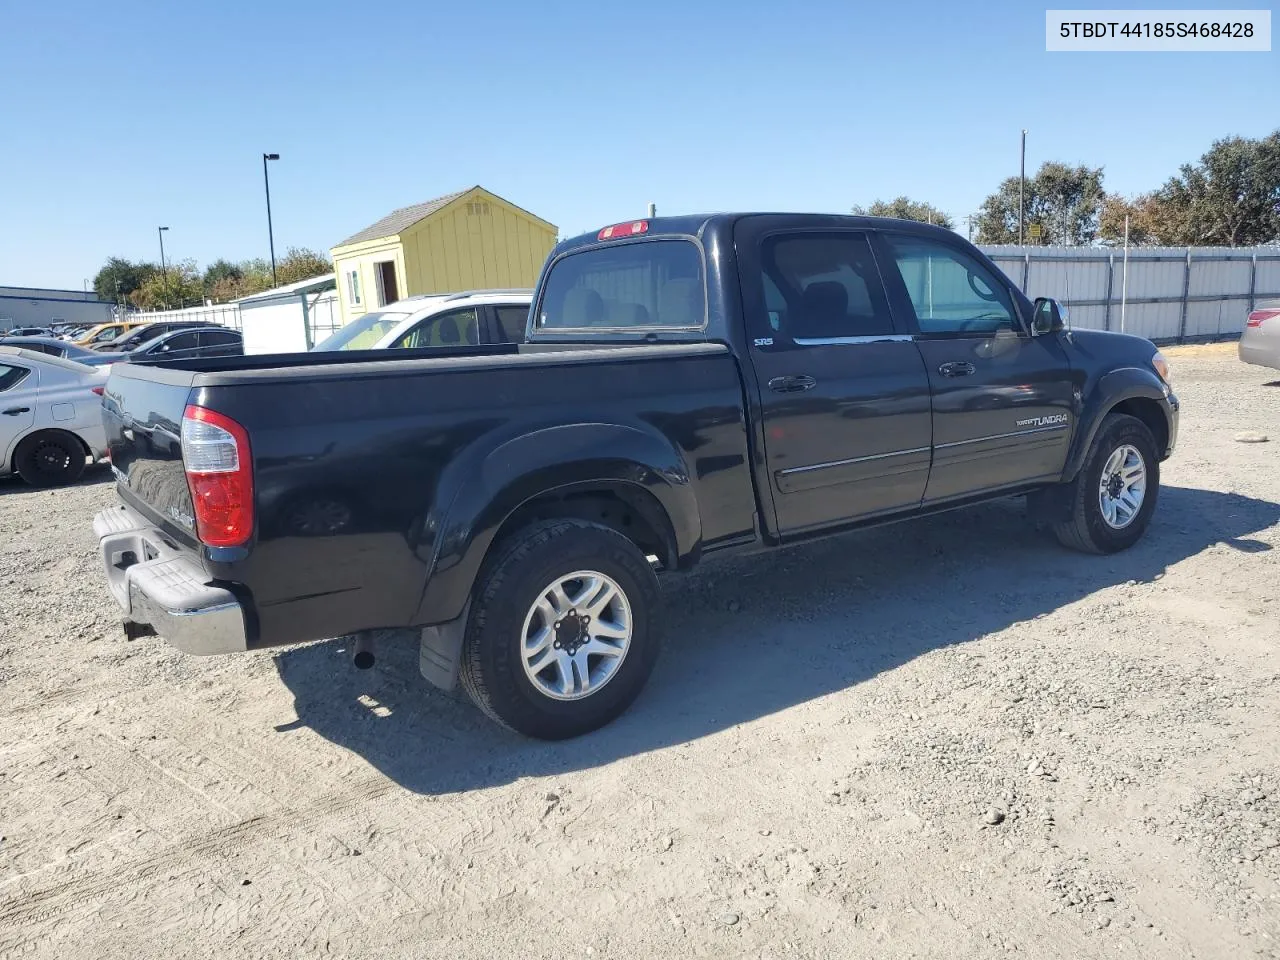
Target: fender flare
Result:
[488, 488]
[1111, 389]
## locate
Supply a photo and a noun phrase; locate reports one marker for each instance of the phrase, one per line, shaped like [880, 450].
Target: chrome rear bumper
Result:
[159, 586]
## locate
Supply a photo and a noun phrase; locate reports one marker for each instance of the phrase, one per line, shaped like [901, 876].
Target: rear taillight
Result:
[215, 453]
[1256, 318]
[98, 391]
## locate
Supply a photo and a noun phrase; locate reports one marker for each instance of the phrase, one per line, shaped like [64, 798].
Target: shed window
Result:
[353, 287]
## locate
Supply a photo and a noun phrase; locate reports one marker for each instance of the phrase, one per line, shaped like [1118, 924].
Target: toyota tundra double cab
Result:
[687, 386]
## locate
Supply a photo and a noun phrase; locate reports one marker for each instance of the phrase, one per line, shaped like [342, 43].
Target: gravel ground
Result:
[949, 732]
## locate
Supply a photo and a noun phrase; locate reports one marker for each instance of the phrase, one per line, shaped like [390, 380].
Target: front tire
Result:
[1115, 494]
[564, 629]
[49, 459]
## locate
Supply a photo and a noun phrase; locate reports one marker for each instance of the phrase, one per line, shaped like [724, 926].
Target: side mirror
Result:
[1049, 316]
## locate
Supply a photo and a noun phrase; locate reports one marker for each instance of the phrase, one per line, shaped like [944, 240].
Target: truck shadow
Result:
[753, 635]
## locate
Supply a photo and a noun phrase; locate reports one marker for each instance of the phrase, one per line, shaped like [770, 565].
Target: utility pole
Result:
[1022, 188]
[969, 220]
[164, 271]
[271, 239]
[1124, 282]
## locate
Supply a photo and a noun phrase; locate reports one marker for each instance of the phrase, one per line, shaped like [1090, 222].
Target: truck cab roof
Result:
[698, 225]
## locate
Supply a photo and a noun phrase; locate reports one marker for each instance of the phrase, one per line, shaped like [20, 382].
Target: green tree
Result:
[1230, 196]
[181, 285]
[121, 277]
[221, 270]
[301, 264]
[1065, 201]
[904, 208]
[1152, 220]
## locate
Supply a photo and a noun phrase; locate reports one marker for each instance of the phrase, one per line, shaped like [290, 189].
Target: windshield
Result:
[107, 334]
[362, 334]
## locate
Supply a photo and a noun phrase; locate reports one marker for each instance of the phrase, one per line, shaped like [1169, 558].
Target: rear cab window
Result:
[649, 284]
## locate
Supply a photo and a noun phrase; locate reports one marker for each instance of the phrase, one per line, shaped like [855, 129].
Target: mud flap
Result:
[1052, 504]
[440, 653]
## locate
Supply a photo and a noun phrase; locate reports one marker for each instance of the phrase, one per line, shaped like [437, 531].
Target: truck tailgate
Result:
[142, 413]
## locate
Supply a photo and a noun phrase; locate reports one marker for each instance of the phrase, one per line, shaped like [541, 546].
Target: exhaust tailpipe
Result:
[362, 656]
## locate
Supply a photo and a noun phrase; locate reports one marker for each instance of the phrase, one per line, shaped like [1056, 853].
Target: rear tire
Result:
[564, 629]
[49, 459]
[1122, 451]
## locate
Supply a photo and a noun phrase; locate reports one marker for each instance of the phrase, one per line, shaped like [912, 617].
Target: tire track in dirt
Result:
[185, 856]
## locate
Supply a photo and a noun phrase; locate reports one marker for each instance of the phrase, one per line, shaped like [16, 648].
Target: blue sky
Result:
[115, 118]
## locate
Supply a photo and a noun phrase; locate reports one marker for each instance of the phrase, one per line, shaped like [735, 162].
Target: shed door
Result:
[387, 291]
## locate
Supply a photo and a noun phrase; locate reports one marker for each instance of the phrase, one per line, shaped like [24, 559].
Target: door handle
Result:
[957, 368]
[792, 384]
[14, 411]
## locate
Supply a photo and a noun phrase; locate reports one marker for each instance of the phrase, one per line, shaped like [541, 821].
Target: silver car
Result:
[50, 416]
[1260, 342]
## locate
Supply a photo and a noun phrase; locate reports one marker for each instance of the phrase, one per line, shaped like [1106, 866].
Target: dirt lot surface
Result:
[944, 738]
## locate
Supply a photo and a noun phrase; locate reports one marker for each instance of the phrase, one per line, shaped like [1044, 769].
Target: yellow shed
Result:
[471, 240]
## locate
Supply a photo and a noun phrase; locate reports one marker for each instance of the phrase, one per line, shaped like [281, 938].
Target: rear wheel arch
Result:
[627, 508]
[658, 516]
[68, 437]
[40, 431]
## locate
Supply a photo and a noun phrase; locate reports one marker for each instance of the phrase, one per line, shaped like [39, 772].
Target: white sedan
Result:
[50, 416]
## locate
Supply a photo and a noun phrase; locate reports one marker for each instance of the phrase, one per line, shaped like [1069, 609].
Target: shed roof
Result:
[399, 220]
[310, 285]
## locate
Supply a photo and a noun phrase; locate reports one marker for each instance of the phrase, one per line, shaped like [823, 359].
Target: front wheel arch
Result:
[1128, 391]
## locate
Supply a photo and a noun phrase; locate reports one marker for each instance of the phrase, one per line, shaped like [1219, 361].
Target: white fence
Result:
[1172, 294]
[227, 314]
[279, 324]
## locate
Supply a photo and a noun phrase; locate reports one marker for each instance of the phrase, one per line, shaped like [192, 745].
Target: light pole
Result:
[266, 182]
[1022, 187]
[164, 271]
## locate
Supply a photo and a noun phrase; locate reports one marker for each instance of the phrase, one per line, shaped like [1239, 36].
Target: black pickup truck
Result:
[688, 386]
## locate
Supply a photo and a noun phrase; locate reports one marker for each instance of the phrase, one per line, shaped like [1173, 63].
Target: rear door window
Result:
[652, 283]
[218, 338]
[11, 376]
[457, 328]
[180, 341]
[511, 323]
[823, 287]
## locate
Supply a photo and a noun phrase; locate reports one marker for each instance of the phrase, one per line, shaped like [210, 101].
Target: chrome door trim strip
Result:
[1004, 436]
[832, 341]
[842, 463]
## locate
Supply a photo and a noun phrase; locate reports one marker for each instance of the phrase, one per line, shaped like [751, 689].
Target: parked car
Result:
[25, 332]
[689, 386]
[54, 347]
[104, 333]
[149, 331]
[185, 343]
[447, 320]
[50, 416]
[1260, 342]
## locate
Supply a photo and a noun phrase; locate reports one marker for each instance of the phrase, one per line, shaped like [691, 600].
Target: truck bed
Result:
[371, 469]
